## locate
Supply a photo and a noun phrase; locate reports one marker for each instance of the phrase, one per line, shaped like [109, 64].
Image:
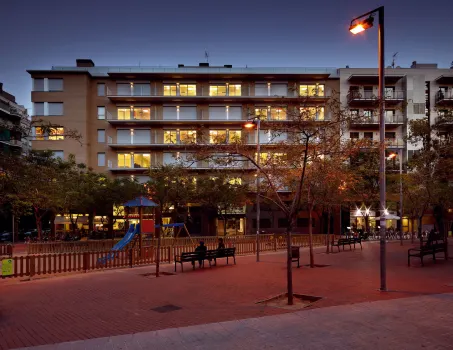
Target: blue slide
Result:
[130, 234]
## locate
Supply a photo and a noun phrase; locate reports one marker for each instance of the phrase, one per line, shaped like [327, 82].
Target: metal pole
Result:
[383, 267]
[258, 209]
[13, 230]
[401, 195]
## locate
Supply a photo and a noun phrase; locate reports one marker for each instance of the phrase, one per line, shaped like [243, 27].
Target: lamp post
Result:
[358, 26]
[250, 124]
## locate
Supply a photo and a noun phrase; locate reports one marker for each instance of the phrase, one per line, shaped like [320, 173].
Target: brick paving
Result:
[119, 302]
[410, 323]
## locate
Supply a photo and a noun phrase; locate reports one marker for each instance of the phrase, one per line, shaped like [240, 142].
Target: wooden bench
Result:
[357, 240]
[343, 242]
[435, 244]
[209, 255]
[224, 253]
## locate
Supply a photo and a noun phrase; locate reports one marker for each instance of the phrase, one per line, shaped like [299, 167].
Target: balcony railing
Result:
[357, 96]
[444, 97]
[389, 143]
[374, 120]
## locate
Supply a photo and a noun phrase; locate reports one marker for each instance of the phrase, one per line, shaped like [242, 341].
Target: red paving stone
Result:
[116, 302]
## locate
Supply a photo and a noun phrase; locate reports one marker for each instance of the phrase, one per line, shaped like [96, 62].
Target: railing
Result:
[394, 119]
[70, 247]
[78, 261]
[6, 250]
[442, 96]
[371, 96]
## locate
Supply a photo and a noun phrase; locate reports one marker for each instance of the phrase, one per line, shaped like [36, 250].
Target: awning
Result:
[140, 202]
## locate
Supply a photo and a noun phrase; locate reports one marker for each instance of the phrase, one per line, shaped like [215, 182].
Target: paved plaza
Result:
[216, 308]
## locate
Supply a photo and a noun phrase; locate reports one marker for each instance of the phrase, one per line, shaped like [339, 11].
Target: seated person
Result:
[201, 250]
[220, 247]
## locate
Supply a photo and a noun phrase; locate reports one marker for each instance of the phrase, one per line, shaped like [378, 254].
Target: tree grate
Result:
[166, 308]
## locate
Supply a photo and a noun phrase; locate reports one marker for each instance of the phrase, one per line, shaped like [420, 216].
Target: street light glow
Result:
[358, 27]
[249, 125]
[392, 155]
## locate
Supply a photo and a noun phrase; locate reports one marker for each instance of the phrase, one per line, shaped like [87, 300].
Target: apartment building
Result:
[423, 90]
[133, 118]
[14, 123]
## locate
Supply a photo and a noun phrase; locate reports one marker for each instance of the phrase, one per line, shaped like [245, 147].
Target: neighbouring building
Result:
[132, 118]
[14, 124]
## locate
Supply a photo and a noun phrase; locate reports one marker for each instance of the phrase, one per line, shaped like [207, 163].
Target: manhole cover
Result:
[316, 265]
[166, 308]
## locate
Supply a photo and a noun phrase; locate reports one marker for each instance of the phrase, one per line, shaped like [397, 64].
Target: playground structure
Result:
[142, 223]
[168, 230]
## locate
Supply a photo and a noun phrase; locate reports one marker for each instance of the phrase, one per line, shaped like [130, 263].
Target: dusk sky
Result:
[286, 33]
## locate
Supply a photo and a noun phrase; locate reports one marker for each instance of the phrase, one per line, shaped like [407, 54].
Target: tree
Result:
[223, 193]
[304, 135]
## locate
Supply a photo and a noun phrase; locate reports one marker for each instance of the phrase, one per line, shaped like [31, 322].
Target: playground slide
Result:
[133, 230]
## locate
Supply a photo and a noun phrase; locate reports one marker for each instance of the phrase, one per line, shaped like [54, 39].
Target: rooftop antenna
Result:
[394, 59]
[206, 55]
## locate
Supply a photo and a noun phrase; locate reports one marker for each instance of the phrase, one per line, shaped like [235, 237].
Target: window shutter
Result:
[38, 84]
[123, 136]
[55, 108]
[217, 113]
[55, 84]
[101, 135]
[279, 89]
[188, 113]
[38, 108]
[261, 89]
[170, 113]
[235, 113]
[142, 136]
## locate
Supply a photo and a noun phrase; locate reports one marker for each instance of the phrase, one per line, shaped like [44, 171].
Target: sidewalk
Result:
[411, 323]
[117, 302]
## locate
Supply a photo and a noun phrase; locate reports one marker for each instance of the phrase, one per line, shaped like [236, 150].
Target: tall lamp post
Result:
[358, 25]
[250, 124]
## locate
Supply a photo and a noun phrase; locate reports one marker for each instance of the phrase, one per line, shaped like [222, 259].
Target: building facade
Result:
[14, 124]
[133, 118]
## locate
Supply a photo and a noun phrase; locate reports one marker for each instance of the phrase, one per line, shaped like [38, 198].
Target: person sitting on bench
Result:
[221, 248]
[201, 250]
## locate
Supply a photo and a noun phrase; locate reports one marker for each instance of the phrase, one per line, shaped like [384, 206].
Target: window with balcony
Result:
[218, 90]
[235, 181]
[142, 160]
[312, 113]
[217, 136]
[133, 89]
[390, 135]
[354, 135]
[124, 113]
[188, 136]
[55, 134]
[389, 92]
[234, 90]
[312, 90]
[187, 90]
[261, 112]
[368, 113]
[141, 113]
[170, 137]
[278, 114]
[390, 116]
[170, 90]
[368, 135]
[234, 136]
[124, 160]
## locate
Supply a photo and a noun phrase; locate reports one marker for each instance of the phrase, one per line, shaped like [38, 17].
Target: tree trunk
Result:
[367, 223]
[328, 231]
[289, 265]
[419, 229]
[310, 236]
[110, 225]
[52, 225]
[412, 229]
[158, 230]
[90, 222]
[38, 222]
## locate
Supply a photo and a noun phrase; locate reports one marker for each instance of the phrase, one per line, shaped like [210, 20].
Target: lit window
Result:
[170, 137]
[217, 90]
[235, 181]
[39, 134]
[217, 136]
[312, 90]
[124, 160]
[169, 90]
[234, 136]
[368, 113]
[142, 160]
[261, 112]
[187, 90]
[124, 113]
[188, 136]
[312, 113]
[56, 134]
[278, 114]
[142, 113]
[234, 90]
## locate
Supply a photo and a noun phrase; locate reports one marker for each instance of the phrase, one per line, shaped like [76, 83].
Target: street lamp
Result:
[251, 124]
[357, 26]
[391, 156]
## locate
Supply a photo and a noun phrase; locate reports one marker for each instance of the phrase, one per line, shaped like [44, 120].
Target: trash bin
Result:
[295, 254]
